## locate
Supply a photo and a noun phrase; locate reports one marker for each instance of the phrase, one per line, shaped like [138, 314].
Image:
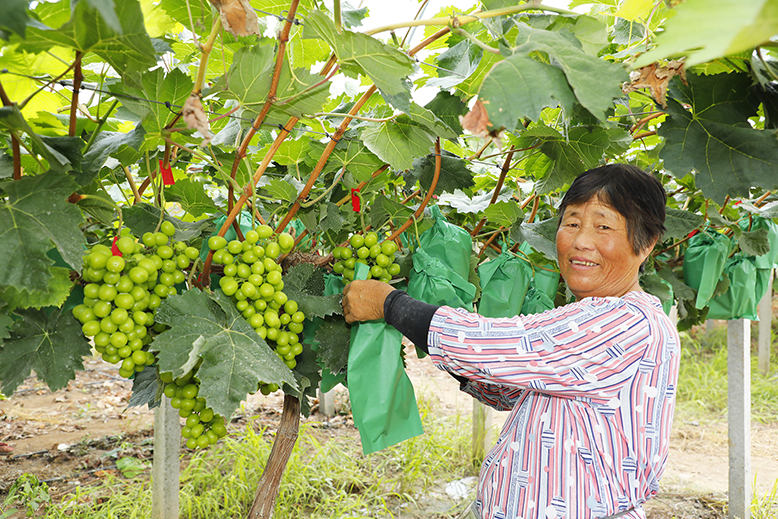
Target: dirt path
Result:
[82, 429]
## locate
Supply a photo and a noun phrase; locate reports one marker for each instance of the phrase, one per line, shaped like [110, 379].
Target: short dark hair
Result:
[634, 194]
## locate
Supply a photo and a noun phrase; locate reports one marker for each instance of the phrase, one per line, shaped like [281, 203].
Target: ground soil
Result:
[76, 434]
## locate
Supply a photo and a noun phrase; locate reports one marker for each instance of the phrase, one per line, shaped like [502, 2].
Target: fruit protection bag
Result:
[704, 262]
[504, 284]
[434, 282]
[546, 280]
[536, 301]
[383, 403]
[450, 244]
[740, 300]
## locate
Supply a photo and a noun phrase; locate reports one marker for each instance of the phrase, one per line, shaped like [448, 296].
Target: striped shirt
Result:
[591, 390]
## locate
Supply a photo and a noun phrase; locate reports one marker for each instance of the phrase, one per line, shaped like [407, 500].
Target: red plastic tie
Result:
[356, 203]
[114, 249]
[167, 174]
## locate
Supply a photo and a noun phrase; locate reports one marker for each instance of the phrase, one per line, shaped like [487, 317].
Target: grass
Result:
[702, 382]
[323, 479]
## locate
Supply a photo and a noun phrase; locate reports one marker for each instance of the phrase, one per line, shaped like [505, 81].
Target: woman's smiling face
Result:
[594, 251]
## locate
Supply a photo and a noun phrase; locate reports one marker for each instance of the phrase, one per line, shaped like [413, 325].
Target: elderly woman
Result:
[590, 386]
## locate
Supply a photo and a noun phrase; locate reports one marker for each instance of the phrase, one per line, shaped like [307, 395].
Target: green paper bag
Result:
[504, 283]
[703, 263]
[739, 301]
[382, 400]
[768, 260]
[433, 282]
[546, 279]
[448, 243]
[762, 283]
[536, 301]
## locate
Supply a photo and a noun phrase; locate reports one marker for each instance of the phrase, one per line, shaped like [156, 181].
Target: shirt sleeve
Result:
[589, 349]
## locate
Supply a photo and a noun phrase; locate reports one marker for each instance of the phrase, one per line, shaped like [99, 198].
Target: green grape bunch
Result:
[123, 292]
[254, 281]
[366, 249]
[202, 427]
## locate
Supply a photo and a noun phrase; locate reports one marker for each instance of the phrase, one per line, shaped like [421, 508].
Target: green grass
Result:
[323, 479]
[702, 381]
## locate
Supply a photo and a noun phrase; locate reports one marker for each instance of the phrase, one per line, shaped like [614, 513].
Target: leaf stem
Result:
[358, 117]
[496, 193]
[475, 41]
[77, 78]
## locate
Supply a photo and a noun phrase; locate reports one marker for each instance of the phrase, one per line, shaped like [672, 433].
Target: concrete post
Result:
[765, 312]
[166, 465]
[326, 403]
[739, 417]
[482, 430]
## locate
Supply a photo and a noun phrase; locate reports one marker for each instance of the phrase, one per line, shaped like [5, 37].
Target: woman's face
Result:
[595, 255]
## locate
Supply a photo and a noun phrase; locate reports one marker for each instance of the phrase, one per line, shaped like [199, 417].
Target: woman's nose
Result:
[583, 239]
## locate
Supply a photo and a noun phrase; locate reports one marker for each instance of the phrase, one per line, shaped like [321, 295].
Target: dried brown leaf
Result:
[656, 79]
[196, 118]
[237, 16]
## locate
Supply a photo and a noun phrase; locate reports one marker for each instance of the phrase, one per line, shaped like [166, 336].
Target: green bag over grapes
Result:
[704, 262]
[383, 403]
[740, 300]
[536, 301]
[448, 243]
[504, 283]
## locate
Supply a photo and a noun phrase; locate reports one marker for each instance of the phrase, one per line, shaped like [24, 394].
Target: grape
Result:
[379, 256]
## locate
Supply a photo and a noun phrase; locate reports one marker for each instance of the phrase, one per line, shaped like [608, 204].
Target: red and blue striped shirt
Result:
[591, 390]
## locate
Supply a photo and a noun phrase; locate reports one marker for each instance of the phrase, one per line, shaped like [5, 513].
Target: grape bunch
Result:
[366, 249]
[123, 292]
[203, 427]
[252, 277]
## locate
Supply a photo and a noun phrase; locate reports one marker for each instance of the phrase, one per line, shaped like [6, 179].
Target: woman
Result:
[590, 385]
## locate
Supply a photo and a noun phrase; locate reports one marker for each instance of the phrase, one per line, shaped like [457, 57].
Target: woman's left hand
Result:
[364, 300]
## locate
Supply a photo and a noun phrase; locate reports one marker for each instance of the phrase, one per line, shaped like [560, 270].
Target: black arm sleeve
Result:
[411, 317]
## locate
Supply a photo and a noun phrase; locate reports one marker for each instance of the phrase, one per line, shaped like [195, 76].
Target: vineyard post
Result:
[326, 403]
[765, 312]
[739, 417]
[166, 467]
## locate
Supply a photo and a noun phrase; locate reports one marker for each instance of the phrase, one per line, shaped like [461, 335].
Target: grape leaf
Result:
[52, 345]
[465, 204]
[456, 64]
[504, 213]
[281, 189]
[330, 218]
[304, 283]
[383, 209]
[359, 53]
[129, 52]
[359, 161]
[146, 390]
[519, 87]
[334, 337]
[448, 108]
[37, 214]
[755, 243]
[454, 173]
[143, 218]
[105, 144]
[11, 119]
[541, 236]
[192, 197]
[681, 290]
[235, 359]
[397, 142]
[426, 118]
[15, 16]
[680, 223]
[55, 295]
[708, 29]
[307, 373]
[714, 138]
[596, 82]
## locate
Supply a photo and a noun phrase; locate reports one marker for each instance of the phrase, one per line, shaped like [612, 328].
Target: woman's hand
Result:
[364, 300]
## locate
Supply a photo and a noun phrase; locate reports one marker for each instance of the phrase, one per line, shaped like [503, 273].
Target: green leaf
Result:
[519, 87]
[714, 139]
[12, 120]
[129, 52]
[104, 145]
[235, 359]
[307, 373]
[707, 29]
[680, 223]
[359, 161]
[37, 214]
[334, 337]
[448, 108]
[55, 294]
[353, 17]
[281, 189]
[145, 389]
[362, 54]
[456, 65]
[51, 345]
[330, 218]
[626, 32]
[174, 88]
[143, 218]
[192, 197]
[541, 236]
[595, 82]
[681, 290]
[107, 10]
[454, 173]
[15, 16]
[476, 204]
[304, 283]
[397, 142]
[384, 209]
[99, 205]
[504, 213]
[130, 467]
[424, 117]
[755, 243]
[653, 284]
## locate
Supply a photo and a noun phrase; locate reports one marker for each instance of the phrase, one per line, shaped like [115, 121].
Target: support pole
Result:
[765, 312]
[327, 403]
[482, 431]
[166, 465]
[739, 417]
